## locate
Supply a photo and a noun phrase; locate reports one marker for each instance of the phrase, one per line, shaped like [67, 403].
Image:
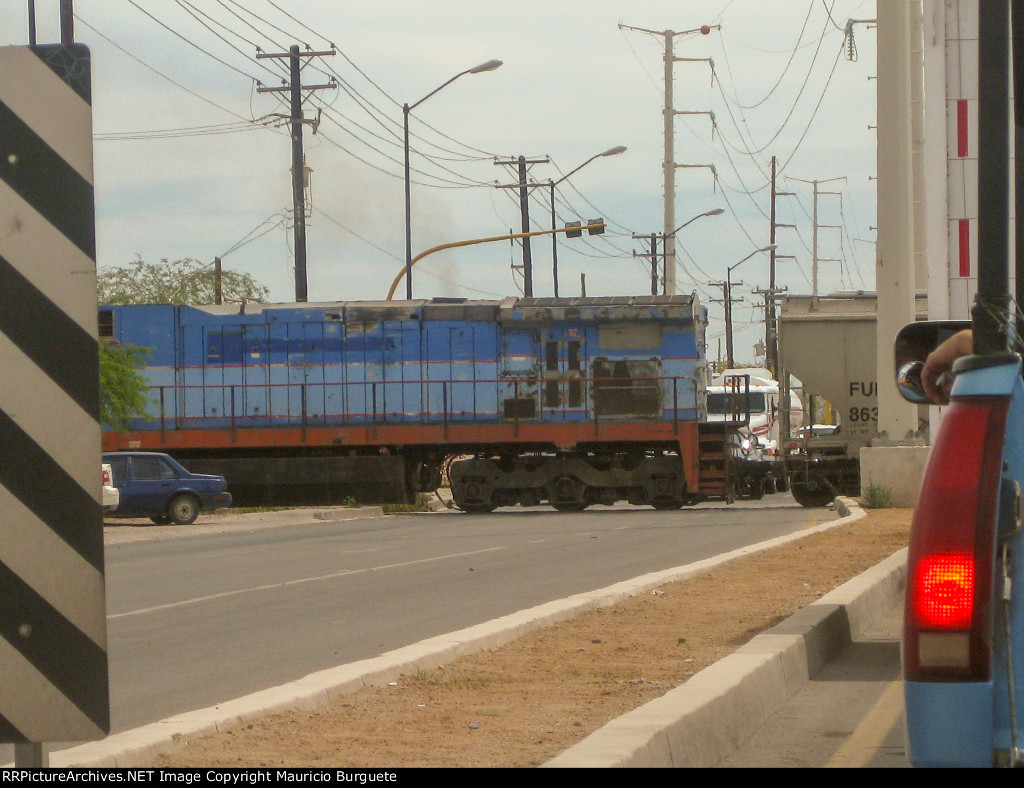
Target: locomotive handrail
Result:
[230, 402]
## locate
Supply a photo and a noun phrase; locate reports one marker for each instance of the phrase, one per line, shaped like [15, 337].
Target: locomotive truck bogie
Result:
[569, 483]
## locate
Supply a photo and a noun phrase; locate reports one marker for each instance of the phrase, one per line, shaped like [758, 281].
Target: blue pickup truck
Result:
[963, 627]
[156, 486]
[963, 638]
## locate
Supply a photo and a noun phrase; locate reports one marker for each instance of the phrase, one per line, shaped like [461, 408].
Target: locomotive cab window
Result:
[106, 324]
[753, 402]
[626, 387]
[575, 387]
[551, 393]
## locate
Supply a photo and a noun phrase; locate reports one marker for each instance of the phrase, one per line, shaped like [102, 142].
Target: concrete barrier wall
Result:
[899, 468]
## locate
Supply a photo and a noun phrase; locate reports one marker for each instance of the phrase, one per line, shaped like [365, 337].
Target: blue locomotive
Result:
[569, 402]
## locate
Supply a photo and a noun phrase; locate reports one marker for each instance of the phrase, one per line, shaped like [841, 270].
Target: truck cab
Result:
[749, 399]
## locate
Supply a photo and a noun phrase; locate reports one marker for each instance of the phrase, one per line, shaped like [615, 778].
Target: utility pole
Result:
[524, 209]
[218, 274]
[728, 300]
[771, 336]
[67, 22]
[669, 164]
[771, 321]
[653, 257]
[814, 245]
[771, 350]
[295, 89]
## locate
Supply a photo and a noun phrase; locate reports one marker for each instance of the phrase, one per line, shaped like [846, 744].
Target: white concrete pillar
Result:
[894, 270]
[962, 155]
[936, 184]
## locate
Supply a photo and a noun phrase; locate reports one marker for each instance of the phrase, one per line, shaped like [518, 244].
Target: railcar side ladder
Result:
[713, 458]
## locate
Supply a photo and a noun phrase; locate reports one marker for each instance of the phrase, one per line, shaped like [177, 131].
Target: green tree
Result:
[184, 281]
[123, 391]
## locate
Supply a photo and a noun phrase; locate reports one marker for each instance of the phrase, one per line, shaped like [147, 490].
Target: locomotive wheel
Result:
[570, 507]
[814, 493]
[665, 506]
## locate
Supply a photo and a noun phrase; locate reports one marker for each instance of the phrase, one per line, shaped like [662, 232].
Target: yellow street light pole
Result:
[596, 226]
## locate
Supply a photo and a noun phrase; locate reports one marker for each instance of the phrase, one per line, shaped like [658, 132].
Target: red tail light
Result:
[944, 597]
[952, 547]
[106, 478]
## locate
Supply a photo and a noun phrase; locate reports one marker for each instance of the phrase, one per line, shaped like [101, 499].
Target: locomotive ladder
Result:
[713, 458]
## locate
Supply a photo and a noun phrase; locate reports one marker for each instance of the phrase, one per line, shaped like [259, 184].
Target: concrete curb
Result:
[708, 718]
[736, 684]
[214, 524]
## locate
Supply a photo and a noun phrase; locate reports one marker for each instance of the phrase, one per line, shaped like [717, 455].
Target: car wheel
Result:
[161, 519]
[184, 510]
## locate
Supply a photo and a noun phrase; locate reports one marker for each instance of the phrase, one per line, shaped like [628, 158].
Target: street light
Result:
[728, 301]
[490, 65]
[712, 212]
[554, 238]
[654, 273]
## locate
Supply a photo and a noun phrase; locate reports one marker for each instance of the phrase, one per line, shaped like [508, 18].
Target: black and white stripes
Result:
[53, 652]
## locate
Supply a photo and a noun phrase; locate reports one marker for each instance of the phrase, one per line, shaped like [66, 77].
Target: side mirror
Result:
[913, 344]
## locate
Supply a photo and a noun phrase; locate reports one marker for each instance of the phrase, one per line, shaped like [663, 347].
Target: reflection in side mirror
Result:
[908, 381]
[913, 344]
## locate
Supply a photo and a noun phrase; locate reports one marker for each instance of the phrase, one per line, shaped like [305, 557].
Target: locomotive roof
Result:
[509, 310]
[601, 309]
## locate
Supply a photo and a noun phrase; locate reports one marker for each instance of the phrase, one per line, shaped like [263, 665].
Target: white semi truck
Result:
[751, 397]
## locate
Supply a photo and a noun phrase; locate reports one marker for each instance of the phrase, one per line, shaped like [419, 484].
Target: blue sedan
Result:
[156, 486]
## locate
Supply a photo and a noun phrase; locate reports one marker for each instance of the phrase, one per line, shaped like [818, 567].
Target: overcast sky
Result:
[191, 159]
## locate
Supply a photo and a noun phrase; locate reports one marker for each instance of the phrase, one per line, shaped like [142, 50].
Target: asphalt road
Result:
[850, 715]
[207, 613]
[193, 622]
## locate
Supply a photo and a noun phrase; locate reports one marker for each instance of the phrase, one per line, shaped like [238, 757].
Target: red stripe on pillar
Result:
[965, 247]
[961, 128]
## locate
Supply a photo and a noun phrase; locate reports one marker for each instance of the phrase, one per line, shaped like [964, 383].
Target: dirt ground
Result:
[524, 703]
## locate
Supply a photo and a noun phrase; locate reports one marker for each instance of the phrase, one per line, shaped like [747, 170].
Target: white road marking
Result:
[298, 581]
[872, 731]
